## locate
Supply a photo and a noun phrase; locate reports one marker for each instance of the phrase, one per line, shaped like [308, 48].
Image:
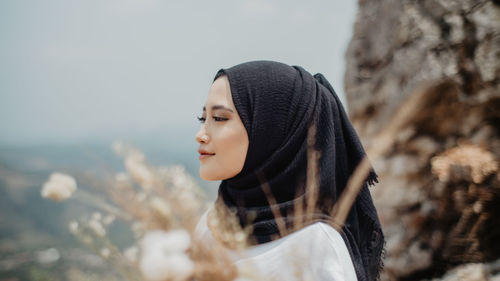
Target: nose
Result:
[201, 136]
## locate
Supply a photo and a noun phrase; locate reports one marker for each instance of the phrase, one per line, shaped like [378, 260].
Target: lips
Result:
[204, 154]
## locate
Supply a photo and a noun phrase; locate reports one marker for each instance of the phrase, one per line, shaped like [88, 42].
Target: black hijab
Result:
[277, 103]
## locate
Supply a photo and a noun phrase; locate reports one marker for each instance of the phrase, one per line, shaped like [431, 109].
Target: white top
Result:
[315, 252]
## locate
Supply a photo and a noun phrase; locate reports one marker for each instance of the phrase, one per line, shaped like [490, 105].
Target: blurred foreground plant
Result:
[161, 206]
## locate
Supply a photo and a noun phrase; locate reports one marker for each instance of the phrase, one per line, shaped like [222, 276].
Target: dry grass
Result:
[150, 198]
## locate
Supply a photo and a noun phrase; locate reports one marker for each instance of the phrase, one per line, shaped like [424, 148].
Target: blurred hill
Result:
[30, 225]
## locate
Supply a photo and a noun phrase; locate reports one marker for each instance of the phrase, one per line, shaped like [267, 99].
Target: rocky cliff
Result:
[439, 191]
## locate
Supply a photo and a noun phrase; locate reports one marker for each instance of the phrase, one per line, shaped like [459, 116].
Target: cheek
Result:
[230, 145]
[233, 147]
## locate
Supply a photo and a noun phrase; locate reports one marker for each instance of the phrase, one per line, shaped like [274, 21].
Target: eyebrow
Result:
[215, 107]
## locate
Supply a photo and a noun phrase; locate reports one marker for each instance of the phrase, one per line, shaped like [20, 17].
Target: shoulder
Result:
[317, 251]
[201, 231]
[318, 234]
[201, 226]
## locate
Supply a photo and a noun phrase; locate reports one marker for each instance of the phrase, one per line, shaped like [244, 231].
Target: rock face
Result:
[439, 191]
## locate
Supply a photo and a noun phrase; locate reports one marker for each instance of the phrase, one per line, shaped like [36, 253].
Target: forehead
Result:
[219, 93]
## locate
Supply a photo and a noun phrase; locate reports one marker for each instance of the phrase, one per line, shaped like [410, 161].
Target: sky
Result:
[73, 71]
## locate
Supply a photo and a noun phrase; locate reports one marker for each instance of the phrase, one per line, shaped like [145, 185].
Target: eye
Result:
[218, 119]
[201, 119]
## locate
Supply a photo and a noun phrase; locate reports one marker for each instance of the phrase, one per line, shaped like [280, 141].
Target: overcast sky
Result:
[122, 69]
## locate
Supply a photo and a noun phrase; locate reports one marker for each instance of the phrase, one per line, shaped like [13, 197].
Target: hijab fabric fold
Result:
[278, 104]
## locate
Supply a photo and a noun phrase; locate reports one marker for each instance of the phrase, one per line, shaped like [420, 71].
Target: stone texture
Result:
[437, 221]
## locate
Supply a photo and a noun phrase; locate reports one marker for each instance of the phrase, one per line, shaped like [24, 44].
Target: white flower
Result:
[131, 254]
[96, 216]
[121, 177]
[107, 220]
[59, 187]
[139, 172]
[161, 207]
[172, 241]
[164, 255]
[105, 253]
[97, 227]
[73, 226]
[137, 228]
[157, 267]
[48, 256]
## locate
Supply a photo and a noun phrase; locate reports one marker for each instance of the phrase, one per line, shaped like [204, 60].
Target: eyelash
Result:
[217, 119]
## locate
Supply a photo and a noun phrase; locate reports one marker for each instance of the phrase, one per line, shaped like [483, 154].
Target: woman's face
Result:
[222, 137]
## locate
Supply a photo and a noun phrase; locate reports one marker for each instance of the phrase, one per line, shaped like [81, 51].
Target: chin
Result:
[208, 176]
[211, 175]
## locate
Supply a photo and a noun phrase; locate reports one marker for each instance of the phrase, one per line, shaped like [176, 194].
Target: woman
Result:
[281, 142]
